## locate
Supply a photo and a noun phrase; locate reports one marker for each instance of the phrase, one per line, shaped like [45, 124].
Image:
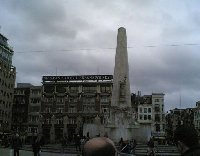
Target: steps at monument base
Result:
[161, 150]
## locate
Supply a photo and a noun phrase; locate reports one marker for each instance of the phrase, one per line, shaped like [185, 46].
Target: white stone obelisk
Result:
[121, 96]
[119, 124]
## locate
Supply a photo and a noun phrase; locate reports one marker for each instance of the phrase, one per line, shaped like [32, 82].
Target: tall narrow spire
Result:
[121, 121]
[121, 96]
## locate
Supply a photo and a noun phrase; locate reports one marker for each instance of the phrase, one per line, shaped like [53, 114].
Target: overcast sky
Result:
[77, 37]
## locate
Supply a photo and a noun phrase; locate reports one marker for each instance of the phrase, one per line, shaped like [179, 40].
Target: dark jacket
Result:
[150, 143]
[77, 140]
[193, 151]
[16, 143]
[37, 143]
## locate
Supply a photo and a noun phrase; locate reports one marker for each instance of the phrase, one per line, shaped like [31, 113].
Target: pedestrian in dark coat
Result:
[63, 144]
[16, 144]
[122, 143]
[78, 142]
[36, 145]
[151, 150]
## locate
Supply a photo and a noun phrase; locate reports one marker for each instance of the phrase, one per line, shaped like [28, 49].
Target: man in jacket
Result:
[150, 144]
[186, 139]
[36, 144]
[16, 144]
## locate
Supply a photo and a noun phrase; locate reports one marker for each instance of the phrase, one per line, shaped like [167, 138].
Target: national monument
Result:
[121, 120]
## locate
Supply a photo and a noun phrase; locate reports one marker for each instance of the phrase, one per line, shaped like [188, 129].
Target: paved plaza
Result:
[9, 152]
[161, 150]
[141, 150]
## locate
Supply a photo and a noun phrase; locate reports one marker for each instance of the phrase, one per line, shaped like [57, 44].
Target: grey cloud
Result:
[172, 69]
[50, 27]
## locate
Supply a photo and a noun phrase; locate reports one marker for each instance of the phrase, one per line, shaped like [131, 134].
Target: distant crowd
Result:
[185, 138]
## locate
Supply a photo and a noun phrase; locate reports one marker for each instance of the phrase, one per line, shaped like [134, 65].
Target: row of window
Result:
[197, 114]
[86, 89]
[5, 114]
[19, 100]
[5, 104]
[35, 92]
[6, 72]
[73, 109]
[59, 121]
[34, 119]
[32, 130]
[6, 84]
[5, 55]
[149, 117]
[22, 92]
[145, 117]
[145, 110]
[85, 100]
[6, 94]
[34, 109]
[35, 100]
[19, 92]
[58, 110]
[197, 123]
[159, 100]
[148, 109]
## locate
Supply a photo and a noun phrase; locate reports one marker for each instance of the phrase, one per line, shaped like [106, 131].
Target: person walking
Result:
[78, 142]
[133, 145]
[121, 143]
[36, 145]
[63, 145]
[150, 145]
[16, 144]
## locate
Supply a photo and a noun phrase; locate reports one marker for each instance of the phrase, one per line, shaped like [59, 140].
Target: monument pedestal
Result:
[121, 125]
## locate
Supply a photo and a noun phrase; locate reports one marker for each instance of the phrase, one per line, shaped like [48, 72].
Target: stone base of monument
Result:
[116, 132]
[93, 129]
[141, 133]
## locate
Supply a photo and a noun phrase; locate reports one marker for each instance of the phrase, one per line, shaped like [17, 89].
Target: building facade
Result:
[73, 101]
[26, 110]
[158, 112]
[64, 104]
[7, 83]
[34, 109]
[145, 110]
[197, 117]
[20, 108]
[151, 114]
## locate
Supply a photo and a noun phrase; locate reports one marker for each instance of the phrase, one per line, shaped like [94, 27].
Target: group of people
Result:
[127, 146]
[185, 138]
[77, 140]
[37, 142]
